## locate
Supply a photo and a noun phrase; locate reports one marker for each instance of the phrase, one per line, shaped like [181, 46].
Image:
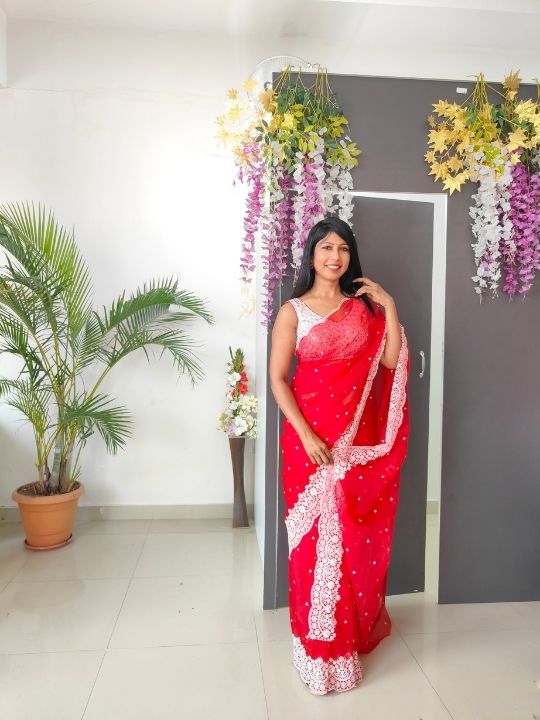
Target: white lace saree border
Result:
[322, 676]
[327, 573]
[317, 500]
[362, 454]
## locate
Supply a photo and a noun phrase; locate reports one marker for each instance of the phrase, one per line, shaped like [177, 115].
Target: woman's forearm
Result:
[393, 338]
[289, 407]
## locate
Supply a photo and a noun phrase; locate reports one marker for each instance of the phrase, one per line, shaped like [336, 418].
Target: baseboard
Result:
[86, 513]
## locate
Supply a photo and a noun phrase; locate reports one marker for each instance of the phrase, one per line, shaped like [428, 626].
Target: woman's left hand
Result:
[375, 293]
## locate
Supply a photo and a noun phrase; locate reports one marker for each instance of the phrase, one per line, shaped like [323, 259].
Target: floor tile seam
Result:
[191, 575]
[128, 586]
[467, 631]
[135, 564]
[114, 577]
[261, 668]
[111, 534]
[71, 579]
[424, 673]
[28, 554]
[20, 653]
[165, 646]
[203, 531]
[228, 643]
[91, 692]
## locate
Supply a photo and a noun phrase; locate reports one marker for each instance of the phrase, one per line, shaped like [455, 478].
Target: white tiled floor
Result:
[161, 619]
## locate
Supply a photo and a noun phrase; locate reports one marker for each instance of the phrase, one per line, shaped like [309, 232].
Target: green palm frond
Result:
[15, 340]
[26, 308]
[113, 423]
[41, 296]
[175, 342]
[151, 303]
[88, 347]
[33, 402]
[15, 243]
[133, 323]
[48, 245]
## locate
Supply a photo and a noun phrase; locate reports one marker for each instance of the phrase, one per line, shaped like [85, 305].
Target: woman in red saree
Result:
[344, 440]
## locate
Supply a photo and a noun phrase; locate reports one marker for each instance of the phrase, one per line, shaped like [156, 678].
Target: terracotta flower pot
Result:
[47, 519]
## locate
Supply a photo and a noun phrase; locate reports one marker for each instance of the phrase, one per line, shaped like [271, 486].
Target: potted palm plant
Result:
[65, 349]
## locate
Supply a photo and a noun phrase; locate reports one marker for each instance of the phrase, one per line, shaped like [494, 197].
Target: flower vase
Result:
[240, 516]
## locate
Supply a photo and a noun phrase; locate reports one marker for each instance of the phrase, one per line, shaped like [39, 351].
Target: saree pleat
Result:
[340, 517]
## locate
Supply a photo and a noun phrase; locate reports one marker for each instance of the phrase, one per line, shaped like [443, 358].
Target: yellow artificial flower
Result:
[220, 120]
[439, 139]
[250, 84]
[535, 121]
[429, 157]
[455, 163]
[439, 170]
[266, 97]
[241, 155]
[526, 110]
[459, 123]
[452, 183]
[516, 139]
[275, 122]
[485, 111]
[515, 158]
[441, 108]
[512, 81]
[288, 121]
[443, 171]
[432, 122]
[454, 110]
[234, 112]
[224, 136]
[233, 94]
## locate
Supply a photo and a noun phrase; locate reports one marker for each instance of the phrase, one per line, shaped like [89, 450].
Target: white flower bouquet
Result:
[239, 419]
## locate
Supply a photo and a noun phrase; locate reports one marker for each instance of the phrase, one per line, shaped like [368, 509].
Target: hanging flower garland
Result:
[293, 153]
[497, 147]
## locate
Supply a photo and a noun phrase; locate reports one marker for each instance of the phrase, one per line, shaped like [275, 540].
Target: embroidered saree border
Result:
[322, 676]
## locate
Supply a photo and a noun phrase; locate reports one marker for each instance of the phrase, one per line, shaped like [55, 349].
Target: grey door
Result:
[395, 245]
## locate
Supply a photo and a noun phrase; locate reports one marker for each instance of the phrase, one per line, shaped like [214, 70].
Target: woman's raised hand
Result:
[317, 450]
[374, 292]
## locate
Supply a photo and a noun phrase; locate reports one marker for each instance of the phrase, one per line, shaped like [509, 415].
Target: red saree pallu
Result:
[340, 516]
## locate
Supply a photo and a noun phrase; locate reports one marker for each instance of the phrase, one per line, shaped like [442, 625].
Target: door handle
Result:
[423, 358]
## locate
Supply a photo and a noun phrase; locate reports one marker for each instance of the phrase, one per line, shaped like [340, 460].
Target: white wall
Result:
[115, 130]
[3, 50]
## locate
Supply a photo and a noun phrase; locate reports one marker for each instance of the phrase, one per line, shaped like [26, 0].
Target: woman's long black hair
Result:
[306, 274]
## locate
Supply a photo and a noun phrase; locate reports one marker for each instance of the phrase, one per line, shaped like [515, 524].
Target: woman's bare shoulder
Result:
[286, 318]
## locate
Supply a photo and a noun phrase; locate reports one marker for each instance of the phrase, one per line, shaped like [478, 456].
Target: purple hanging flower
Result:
[522, 257]
[252, 175]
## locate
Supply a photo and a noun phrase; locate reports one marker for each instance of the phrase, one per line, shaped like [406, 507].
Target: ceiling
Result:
[459, 22]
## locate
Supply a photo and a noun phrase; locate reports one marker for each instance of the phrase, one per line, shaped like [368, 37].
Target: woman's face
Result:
[331, 257]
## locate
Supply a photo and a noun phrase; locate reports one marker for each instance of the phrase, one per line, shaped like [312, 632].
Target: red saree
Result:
[340, 517]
